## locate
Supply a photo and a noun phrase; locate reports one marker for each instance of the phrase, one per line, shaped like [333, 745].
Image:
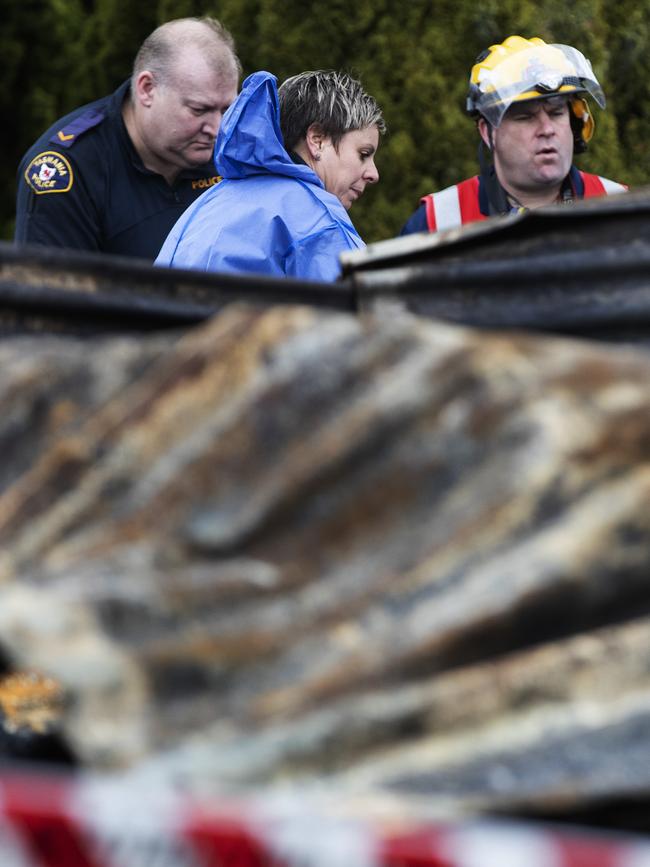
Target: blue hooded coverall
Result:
[268, 215]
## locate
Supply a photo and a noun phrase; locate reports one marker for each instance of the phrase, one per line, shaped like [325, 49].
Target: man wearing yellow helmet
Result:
[529, 101]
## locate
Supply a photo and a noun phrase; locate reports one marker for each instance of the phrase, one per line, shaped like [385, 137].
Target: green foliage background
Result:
[413, 56]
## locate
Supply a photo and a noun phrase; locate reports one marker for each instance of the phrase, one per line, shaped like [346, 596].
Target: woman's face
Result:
[346, 170]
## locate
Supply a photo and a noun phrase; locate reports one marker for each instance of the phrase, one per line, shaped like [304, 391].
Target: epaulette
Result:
[68, 135]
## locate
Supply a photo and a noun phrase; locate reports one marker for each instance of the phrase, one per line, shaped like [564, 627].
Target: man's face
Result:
[186, 111]
[533, 146]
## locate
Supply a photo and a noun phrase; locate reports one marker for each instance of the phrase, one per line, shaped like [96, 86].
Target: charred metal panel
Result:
[581, 269]
[52, 290]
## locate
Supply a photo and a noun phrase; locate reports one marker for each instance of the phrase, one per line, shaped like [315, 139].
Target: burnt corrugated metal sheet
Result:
[581, 269]
[52, 290]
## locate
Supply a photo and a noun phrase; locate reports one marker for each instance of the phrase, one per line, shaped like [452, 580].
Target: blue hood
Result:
[250, 141]
[268, 215]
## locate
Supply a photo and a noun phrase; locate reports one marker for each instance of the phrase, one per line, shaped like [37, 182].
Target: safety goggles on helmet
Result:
[520, 69]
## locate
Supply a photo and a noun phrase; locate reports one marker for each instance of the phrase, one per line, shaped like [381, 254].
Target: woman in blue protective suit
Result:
[292, 165]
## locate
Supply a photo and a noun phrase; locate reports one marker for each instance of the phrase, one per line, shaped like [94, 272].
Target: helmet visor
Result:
[535, 73]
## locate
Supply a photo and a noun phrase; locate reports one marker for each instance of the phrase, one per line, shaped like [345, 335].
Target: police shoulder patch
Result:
[49, 172]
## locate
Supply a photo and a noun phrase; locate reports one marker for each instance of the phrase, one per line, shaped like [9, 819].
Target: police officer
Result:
[115, 175]
[529, 101]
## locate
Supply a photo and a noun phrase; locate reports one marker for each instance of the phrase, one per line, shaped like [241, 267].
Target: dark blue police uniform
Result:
[83, 186]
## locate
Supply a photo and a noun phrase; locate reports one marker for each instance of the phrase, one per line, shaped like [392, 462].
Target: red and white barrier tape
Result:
[62, 822]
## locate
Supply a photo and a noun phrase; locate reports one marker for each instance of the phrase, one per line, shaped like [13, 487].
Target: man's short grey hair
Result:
[334, 101]
[160, 49]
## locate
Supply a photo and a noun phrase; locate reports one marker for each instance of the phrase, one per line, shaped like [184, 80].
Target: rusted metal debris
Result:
[375, 551]
[580, 269]
[389, 555]
[61, 291]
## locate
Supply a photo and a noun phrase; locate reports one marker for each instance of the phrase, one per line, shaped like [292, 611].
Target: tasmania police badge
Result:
[49, 172]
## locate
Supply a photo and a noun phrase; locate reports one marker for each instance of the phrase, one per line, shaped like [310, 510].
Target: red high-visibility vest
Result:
[459, 204]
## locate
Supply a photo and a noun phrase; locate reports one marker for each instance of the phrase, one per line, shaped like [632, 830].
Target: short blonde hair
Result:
[334, 101]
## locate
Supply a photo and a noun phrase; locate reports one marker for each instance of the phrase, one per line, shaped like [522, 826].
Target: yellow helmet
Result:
[519, 70]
